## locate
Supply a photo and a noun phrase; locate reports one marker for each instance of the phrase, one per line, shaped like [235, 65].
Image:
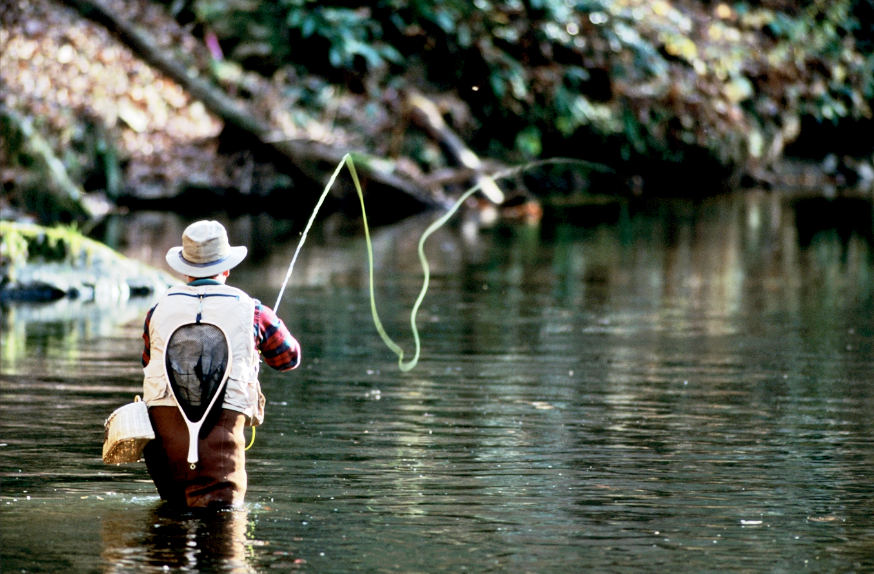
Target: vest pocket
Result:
[155, 389]
[258, 410]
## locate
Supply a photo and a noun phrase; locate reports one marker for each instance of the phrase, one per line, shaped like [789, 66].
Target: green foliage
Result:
[22, 242]
[25, 243]
[282, 30]
[349, 33]
[654, 79]
[528, 142]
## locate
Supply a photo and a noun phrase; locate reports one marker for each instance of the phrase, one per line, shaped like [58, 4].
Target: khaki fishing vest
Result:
[232, 311]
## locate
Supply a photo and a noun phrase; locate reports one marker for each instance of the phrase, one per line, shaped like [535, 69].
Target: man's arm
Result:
[147, 348]
[280, 350]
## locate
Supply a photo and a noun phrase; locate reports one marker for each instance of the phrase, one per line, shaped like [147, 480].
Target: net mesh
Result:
[197, 358]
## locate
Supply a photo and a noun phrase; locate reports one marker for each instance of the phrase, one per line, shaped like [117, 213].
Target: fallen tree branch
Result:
[304, 154]
[308, 152]
[425, 113]
[54, 182]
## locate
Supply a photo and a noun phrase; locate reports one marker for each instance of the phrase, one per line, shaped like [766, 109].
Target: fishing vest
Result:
[231, 310]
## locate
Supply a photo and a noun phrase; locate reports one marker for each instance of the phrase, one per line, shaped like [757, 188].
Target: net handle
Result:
[194, 427]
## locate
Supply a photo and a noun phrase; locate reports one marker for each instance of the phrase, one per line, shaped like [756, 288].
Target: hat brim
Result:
[178, 263]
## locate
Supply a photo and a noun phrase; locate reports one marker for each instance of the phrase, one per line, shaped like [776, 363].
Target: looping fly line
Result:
[426, 270]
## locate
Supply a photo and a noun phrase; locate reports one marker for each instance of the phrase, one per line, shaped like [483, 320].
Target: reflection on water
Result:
[688, 388]
[59, 328]
[164, 539]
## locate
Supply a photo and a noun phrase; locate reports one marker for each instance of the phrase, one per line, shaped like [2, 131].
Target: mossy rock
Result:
[40, 263]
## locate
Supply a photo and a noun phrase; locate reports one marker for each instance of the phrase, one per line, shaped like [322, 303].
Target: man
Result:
[180, 377]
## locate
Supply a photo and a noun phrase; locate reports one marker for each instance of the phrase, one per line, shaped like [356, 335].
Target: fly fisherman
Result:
[202, 344]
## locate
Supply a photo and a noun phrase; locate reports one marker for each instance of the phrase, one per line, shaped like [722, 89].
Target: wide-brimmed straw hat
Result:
[205, 251]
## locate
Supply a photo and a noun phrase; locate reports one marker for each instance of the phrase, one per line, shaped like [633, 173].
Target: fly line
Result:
[426, 270]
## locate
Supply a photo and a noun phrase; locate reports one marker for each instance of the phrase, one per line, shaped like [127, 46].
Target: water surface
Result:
[688, 388]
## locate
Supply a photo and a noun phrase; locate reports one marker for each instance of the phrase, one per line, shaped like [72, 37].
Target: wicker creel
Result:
[127, 430]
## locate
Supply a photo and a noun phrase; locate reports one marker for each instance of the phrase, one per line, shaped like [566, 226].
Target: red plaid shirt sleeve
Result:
[279, 349]
[147, 349]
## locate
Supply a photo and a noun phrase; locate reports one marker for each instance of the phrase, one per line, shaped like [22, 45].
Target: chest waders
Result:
[198, 358]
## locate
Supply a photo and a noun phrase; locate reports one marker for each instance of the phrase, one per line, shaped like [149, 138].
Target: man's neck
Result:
[207, 281]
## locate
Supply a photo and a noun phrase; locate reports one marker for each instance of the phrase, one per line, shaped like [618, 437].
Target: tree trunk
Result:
[57, 193]
[425, 113]
[306, 155]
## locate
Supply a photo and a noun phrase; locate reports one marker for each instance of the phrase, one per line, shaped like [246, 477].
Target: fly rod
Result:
[426, 270]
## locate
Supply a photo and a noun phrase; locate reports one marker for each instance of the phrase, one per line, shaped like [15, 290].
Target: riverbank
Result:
[40, 263]
[675, 97]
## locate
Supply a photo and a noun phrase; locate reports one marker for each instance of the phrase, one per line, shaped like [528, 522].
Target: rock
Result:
[46, 264]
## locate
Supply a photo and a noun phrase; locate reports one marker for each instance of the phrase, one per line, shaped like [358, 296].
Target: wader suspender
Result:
[197, 362]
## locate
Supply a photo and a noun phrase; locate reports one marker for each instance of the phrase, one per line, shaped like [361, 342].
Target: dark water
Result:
[687, 389]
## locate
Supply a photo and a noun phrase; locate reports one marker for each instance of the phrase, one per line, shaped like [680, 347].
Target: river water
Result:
[688, 387]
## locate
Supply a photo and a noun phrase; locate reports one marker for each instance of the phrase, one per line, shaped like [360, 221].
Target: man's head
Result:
[205, 251]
